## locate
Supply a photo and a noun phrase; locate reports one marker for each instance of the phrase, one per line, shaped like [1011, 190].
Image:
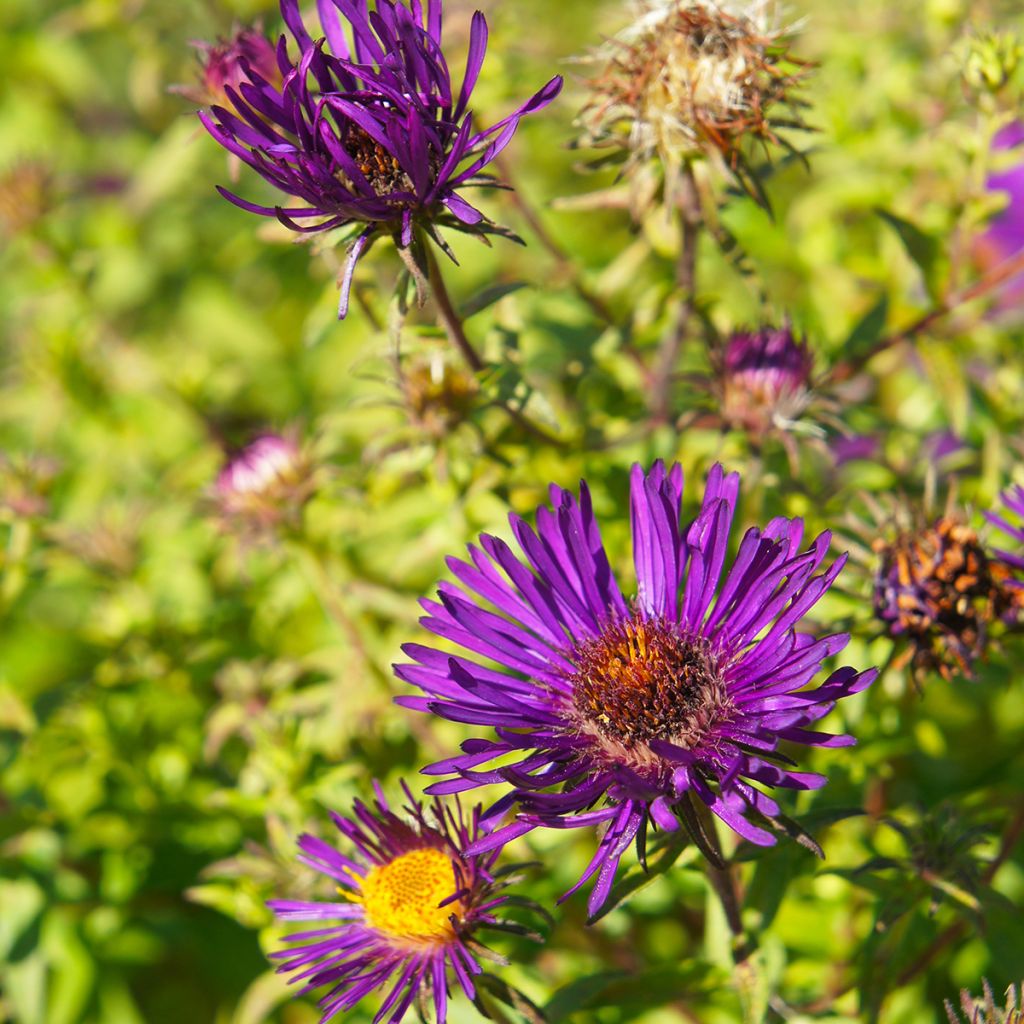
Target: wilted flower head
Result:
[620, 714]
[937, 589]
[411, 901]
[691, 77]
[370, 135]
[985, 1010]
[264, 485]
[437, 394]
[765, 378]
[26, 193]
[1004, 236]
[246, 57]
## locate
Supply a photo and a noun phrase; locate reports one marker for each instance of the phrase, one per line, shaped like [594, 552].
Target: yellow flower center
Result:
[402, 898]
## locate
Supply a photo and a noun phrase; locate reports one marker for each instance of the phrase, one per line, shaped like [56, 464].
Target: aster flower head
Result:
[985, 1010]
[264, 485]
[246, 57]
[938, 589]
[366, 131]
[411, 901]
[623, 714]
[692, 78]
[1004, 236]
[765, 378]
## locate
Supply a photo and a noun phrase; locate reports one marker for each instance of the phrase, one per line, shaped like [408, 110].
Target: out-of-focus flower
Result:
[437, 394]
[1004, 236]
[938, 590]
[984, 1010]
[411, 902]
[690, 78]
[26, 194]
[622, 714]
[988, 62]
[264, 485]
[25, 484]
[372, 138]
[764, 377]
[246, 57]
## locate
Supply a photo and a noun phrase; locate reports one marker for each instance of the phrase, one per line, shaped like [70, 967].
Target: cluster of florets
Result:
[940, 591]
[690, 78]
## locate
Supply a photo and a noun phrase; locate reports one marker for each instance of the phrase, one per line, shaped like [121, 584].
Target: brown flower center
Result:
[382, 170]
[643, 680]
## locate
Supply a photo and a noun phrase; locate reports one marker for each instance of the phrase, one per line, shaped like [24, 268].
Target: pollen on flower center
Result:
[643, 680]
[401, 898]
[381, 169]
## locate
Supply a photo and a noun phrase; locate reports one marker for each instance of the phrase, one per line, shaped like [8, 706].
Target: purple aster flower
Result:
[1004, 237]
[411, 901]
[623, 714]
[371, 135]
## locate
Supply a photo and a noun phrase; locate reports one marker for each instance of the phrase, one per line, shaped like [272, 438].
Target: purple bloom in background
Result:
[621, 714]
[1004, 237]
[247, 57]
[1013, 499]
[367, 130]
[765, 378]
[410, 900]
[265, 484]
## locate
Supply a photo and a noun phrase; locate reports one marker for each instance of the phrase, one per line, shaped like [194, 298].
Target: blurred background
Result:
[178, 701]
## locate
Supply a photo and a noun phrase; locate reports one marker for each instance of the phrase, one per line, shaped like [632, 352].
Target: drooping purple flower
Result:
[411, 899]
[1004, 236]
[229, 63]
[1013, 499]
[623, 714]
[371, 134]
[765, 378]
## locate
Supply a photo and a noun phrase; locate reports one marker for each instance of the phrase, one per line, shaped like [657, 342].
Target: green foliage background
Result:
[176, 706]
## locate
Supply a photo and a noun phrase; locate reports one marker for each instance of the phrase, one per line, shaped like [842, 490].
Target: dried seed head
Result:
[26, 194]
[938, 589]
[437, 394]
[691, 78]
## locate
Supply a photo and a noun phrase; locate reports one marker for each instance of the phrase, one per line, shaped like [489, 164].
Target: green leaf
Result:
[868, 329]
[922, 248]
[489, 296]
[632, 994]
